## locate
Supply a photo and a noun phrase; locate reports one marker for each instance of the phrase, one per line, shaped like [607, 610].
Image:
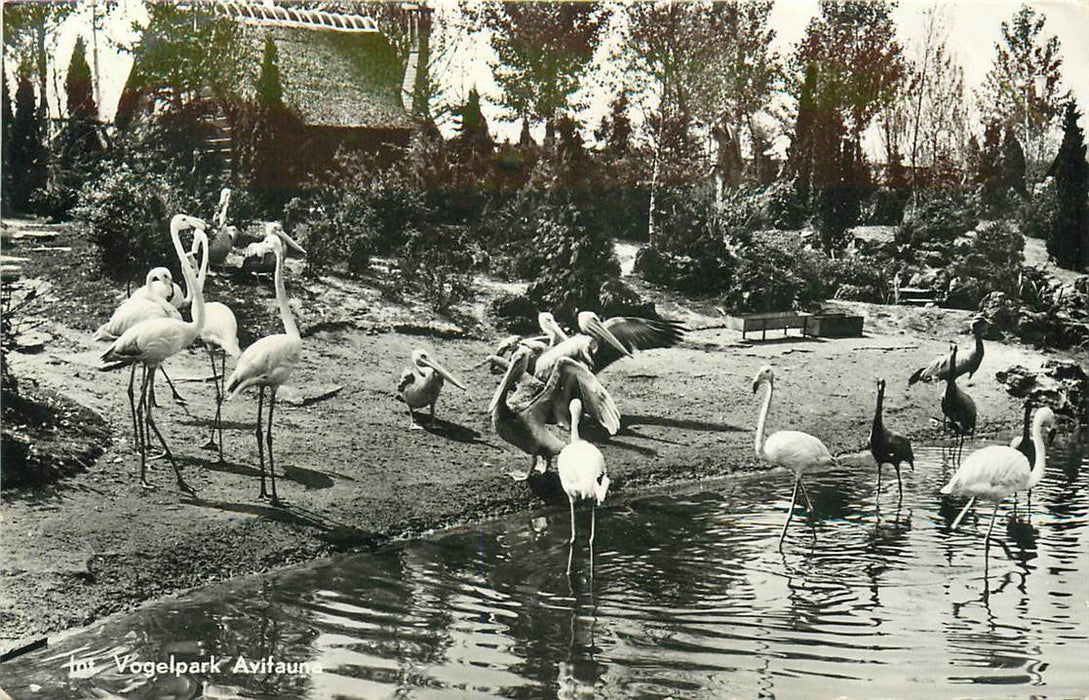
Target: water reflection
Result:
[688, 597]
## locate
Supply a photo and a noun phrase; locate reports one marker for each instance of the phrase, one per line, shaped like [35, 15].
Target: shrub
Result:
[781, 206]
[1036, 216]
[989, 262]
[885, 207]
[765, 280]
[439, 261]
[127, 213]
[861, 278]
[938, 220]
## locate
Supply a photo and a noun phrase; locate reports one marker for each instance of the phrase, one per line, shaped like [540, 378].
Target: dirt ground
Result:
[352, 475]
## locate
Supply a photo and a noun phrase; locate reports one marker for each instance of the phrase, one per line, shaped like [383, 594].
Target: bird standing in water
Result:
[790, 449]
[959, 410]
[887, 447]
[583, 477]
[421, 384]
[997, 472]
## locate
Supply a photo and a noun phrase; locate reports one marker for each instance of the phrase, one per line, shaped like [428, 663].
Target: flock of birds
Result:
[547, 379]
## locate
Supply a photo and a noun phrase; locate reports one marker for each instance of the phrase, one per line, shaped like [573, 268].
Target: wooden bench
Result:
[763, 322]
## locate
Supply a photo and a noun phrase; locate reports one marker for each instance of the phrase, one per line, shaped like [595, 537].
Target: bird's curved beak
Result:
[597, 328]
[755, 385]
[291, 242]
[445, 373]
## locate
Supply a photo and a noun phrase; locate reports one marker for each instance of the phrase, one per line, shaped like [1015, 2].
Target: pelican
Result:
[522, 420]
[996, 472]
[259, 257]
[602, 343]
[220, 336]
[551, 336]
[1024, 444]
[153, 341]
[886, 446]
[791, 449]
[958, 408]
[268, 363]
[225, 235]
[582, 476]
[938, 369]
[421, 383]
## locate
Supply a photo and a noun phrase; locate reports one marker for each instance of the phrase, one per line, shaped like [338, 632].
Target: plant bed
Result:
[834, 325]
[765, 321]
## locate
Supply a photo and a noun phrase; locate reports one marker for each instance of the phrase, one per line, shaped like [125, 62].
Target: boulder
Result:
[1061, 384]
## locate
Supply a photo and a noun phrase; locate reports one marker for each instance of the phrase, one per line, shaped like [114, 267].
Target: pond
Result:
[688, 597]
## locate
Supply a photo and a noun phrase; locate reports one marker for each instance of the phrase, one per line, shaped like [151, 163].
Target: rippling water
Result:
[688, 598]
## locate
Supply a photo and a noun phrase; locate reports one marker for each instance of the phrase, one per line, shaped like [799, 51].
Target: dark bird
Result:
[958, 407]
[886, 446]
[938, 369]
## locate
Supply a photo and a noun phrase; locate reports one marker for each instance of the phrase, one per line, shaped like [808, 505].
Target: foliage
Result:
[543, 48]
[780, 205]
[1068, 242]
[1023, 53]
[1013, 165]
[765, 280]
[937, 221]
[439, 262]
[126, 212]
[5, 147]
[1036, 215]
[860, 278]
[989, 262]
[27, 148]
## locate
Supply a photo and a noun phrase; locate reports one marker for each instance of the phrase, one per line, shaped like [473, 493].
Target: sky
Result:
[974, 30]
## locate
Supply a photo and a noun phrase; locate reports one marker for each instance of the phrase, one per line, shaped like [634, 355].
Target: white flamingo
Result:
[152, 342]
[997, 472]
[582, 476]
[421, 384]
[790, 449]
[268, 363]
[220, 336]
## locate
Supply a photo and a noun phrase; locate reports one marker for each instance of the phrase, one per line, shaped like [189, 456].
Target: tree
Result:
[77, 148]
[27, 152]
[1008, 94]
[800, 153]
[988, 168]
[5, 145]
[276, 125]
[1068, 243]
[616, 130]
[1013, 165]
[543, 49]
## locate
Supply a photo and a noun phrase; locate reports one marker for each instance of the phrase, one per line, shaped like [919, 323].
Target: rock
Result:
[1061, 384]
[1002, 312]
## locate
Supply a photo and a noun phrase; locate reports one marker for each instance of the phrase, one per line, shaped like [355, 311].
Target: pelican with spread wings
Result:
[522, 419]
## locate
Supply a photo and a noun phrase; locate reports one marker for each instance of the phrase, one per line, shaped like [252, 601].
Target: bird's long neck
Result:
[1040, 458]
[281, 298]
[763, 419]
[576, 416]
[951, 380]
[499, 401]
[978, 333]
[1026, 428]
[878, 423]
[190, 279]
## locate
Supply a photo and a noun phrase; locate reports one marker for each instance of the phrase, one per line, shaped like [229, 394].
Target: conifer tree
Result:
[1068, 243]
[27, 154]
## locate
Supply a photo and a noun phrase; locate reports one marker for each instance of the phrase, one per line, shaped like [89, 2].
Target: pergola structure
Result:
[271, 15]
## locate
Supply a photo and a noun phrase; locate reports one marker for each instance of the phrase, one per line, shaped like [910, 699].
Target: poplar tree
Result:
[1068, 243]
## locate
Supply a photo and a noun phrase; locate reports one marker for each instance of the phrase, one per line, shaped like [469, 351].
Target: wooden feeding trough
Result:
[834, 325]
[770, 320]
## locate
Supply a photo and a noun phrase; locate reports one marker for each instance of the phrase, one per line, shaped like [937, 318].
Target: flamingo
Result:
[523, 423]
[268, 363]
[220, 336]
[421, 383]
[1023, 443]
[152, 342]
[582, 476]
[997, 472]
[225, 235]
[938, 369]
[886, 446]
[258, 257]
[791, 449]
[958, 408]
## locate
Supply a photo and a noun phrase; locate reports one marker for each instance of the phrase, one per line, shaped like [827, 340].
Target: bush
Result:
[989, 262]
[781, 206]
[861, 278]
[439, 261]
[127, 213]
[334, 226]
[1036, 215]
[885, 208]
[938, 220]
[765, 280]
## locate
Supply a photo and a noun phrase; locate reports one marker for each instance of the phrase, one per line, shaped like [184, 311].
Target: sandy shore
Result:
[353, 476]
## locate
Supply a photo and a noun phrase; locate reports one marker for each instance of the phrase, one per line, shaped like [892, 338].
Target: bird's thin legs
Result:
[260, 441]
[899, 486]
[271, 464]
[413, 425]
[220, 388]
[177, 397]
[790, 512]
[151, 423]
[808, 503]
[963, 511]
[132, 407]
[593, 513]
[433, 412]
[142, 447]
[1028, 505]
[211, 444]
[571, 542]
[877, 490]
[987, 539]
